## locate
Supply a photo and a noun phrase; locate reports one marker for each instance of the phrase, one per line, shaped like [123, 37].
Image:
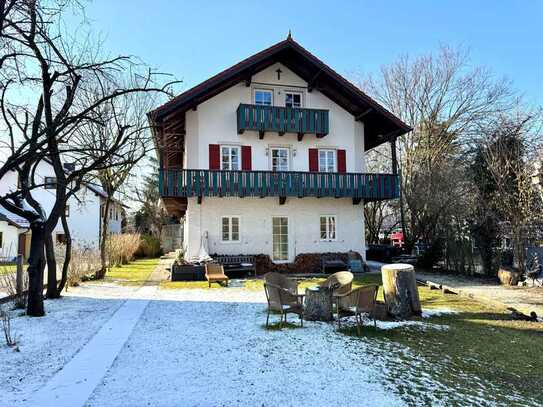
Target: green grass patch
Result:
[484, 354]
[135, 273]
[8, 269]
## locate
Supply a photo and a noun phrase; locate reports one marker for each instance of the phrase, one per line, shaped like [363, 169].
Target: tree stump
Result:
[400, 290]
[318, 304]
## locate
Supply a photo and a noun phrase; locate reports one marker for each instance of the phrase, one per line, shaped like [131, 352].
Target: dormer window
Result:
[293, 99]
[263, 97]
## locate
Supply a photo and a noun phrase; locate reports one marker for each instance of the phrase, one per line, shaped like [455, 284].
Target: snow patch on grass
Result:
[46, 344]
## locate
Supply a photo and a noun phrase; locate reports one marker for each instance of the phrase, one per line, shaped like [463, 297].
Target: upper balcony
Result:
[179, 183]
[282, 120]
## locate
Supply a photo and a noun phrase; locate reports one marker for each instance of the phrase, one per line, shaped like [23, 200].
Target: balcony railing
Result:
[215, 183]
[282, 120]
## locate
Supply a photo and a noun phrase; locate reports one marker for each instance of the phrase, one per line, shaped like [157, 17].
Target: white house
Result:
[83, 211]
[268, 157]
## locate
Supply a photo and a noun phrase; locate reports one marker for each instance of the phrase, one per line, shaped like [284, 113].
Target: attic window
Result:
[293, 99]
[263, 97]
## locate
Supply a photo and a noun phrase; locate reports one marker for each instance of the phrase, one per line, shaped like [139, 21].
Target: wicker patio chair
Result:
[215, 274]
[341, 283]
[283, 301]
[282, 281]
[359, 301]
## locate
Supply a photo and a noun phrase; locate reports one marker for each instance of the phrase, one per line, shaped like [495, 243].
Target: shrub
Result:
[85, 262]
[149, 246]
[121, 248]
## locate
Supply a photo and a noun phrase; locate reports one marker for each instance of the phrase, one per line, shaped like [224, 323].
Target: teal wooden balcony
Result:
[282, 120]
[215, 183]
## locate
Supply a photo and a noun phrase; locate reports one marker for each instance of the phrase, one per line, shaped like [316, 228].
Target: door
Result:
[280, 238]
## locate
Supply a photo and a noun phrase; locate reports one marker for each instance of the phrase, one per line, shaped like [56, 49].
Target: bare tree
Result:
[60, 75]
[509, 146]
[446, 102]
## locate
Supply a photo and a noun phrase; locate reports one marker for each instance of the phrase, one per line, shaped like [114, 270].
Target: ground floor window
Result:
[280, 238]
[328, 227]
[230, 229]
[61, 238]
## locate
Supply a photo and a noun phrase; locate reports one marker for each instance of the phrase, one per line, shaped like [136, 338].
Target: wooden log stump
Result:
[318, 304]
[400, 290]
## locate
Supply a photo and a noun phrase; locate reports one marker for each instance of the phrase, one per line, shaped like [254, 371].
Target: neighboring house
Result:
[83, 211]
[268, 157]
[10, 232]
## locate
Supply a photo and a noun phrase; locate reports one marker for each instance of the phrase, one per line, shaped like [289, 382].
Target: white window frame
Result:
[285, 260]
[328, 228]
[325, 165]
[230, 240]
[287, 149]
[50, 182]
[230, 149]
[256, 90]
[293, 92]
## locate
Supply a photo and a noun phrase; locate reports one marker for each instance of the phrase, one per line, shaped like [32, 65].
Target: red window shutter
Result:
[341, 161]
[313, 160]
[214, 157]
[246, 159]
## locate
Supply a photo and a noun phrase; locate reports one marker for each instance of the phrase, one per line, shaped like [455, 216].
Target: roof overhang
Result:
[380, 125]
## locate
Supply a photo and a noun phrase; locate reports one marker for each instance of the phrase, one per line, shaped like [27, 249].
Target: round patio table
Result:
[318, 304]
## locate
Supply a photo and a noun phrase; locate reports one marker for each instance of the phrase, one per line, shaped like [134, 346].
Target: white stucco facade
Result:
[214, 122]
[9, 240]
[255, 225]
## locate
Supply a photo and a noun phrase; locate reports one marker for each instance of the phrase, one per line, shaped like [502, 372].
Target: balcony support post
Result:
[393, 155]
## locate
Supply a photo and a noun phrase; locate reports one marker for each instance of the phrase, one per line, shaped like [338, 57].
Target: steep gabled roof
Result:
[379, 122]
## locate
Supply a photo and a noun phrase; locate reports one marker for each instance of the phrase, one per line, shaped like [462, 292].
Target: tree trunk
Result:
[103, 239]
[36, 266]
[51, 267]
[400, 290]
[67, 255]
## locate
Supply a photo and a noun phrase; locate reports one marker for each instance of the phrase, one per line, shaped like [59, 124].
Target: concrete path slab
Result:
[75, 382]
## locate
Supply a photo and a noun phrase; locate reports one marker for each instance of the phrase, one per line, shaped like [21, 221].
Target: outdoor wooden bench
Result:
[333, 263]
[245, 264]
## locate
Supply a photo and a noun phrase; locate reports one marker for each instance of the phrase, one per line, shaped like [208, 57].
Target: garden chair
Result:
[283, 301]
[215, 274]
[359, 301]
[282, 281]
[341, 283]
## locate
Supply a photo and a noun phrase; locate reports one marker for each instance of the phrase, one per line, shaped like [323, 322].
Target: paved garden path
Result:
[76, 381]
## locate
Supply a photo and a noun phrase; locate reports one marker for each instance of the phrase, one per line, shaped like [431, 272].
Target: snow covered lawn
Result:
[47, 344]
[209, 347]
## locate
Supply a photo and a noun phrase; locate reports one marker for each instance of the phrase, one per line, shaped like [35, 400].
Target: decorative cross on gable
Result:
[278, 73]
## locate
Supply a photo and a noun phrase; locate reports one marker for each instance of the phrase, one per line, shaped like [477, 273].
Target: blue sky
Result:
[196, 39]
